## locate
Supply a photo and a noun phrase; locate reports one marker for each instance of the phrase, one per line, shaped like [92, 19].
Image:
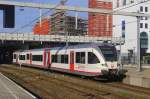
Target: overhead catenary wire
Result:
[34, 20]
[28, 24]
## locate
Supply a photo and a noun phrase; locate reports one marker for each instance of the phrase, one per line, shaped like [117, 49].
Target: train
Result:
[93, 60]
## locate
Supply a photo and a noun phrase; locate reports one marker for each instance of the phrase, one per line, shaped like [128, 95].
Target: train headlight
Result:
[118, 65]
[104, 65]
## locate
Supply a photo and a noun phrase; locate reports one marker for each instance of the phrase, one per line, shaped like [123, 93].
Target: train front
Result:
[111, 61]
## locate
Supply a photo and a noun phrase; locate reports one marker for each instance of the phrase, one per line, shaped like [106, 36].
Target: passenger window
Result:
[64, 59]
[21, 57]
[80, 57]
[92, 58]
[54, 58]
[37, 57]
[59, 59]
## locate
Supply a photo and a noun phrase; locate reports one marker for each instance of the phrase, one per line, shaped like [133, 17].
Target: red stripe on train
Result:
[44, 56]
[72, 61]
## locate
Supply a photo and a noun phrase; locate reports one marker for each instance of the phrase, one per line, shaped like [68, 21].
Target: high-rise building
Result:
[100, 24]
[61, 24]
[126, 26]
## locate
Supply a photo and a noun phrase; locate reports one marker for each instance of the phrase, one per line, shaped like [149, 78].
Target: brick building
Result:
[42, 28]
[100, 24]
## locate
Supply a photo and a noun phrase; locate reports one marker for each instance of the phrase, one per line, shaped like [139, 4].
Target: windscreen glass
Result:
[109, 52]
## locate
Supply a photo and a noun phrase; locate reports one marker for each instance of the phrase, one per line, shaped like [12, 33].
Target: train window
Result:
[37, 57]
[80, 57]
[92, 58]
[77, 57]
[64, 59]
[59, 59]
[28, 56]
[54, 58]
[14, 56]
[21, 57]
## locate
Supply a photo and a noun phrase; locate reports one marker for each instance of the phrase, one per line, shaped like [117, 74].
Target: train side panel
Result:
[38, 58]
[60, 59]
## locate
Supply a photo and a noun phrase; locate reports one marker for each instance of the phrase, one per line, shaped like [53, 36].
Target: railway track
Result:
[48, 85]
[136, 89]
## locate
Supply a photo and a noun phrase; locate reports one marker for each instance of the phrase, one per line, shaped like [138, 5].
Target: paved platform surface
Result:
[134, 77]
[132, 71]
[10, 90]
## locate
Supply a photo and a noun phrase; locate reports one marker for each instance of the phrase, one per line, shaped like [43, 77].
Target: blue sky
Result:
[26, 15]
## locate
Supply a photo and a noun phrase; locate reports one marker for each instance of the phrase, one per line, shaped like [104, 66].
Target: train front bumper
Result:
[116, 72]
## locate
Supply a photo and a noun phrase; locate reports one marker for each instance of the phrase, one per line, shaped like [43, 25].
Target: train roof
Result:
[83, 46]
[89, 45]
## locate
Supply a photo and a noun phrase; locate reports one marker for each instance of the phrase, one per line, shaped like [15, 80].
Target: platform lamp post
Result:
[120, 56]
[138, 45]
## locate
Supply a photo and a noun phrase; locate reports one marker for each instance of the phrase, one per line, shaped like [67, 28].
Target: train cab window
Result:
[80, 57]
[21, 57]
[28, 56]
[37, 57]
[92, 58]
[15, 56]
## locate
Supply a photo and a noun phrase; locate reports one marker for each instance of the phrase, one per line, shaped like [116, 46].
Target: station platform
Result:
[10, 90]
[134, 77]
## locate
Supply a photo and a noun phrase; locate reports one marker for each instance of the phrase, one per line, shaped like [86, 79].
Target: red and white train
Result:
[83, 59]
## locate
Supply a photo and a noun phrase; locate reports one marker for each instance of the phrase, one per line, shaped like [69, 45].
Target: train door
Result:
[30, 58]
[72, 61]
[81, 61]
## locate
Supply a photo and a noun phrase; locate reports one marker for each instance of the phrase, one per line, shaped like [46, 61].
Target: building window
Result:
[144, 40]
[124, 2]
[141, 8]
[132, 1]
[146, 18]
[141, 25]
[146, 9]
[117, 3]
[146, 25]
[141, 18]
